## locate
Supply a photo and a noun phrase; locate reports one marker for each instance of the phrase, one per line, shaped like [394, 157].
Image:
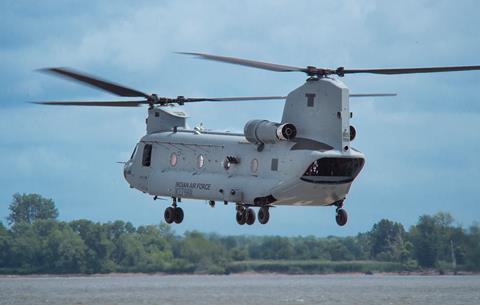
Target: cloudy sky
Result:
[422, 147]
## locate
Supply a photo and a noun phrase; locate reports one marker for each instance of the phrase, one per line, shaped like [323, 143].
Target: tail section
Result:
[320, 111]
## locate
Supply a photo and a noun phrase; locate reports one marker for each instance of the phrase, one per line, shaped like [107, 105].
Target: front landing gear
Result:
[173, 213]
[241, 219]
[341, 215]
[263, 215]
[245, 215]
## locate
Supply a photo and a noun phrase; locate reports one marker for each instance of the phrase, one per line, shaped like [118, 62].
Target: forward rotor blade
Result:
[95, 82]
[231, 99]
[94, 103]
[372, 94]
[246, 62]
[412, 70]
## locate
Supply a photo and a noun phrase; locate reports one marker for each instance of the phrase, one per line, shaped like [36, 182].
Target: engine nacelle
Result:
[266, 132]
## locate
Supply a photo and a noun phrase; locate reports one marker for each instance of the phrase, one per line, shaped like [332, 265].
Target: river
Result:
[264, 289]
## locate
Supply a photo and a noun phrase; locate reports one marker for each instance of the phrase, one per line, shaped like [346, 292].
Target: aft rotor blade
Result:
[372, 94]
[95, 82]
[323, 72]
[247, 62]
[412, 70]
[94, 103]
[232, 99]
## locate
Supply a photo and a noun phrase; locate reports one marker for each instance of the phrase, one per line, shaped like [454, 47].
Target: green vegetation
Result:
[30, 207]
[36, 242]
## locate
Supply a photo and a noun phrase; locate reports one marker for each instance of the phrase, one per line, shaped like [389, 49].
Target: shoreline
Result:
[248, 273]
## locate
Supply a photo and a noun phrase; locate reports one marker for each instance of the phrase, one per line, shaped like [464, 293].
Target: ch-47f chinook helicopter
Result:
[305, 159]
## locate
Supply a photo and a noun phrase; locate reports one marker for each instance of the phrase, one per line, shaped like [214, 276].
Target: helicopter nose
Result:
[127, 171]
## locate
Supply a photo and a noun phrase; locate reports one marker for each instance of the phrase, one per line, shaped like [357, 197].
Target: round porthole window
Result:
[254, 166]
[200, 161]
[173, 159]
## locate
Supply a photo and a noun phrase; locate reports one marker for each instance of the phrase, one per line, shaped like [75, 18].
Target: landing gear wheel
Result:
[241, 216]
[250, 216]
[341, 217]
[169, 215]
[263, 215]
[178, 215]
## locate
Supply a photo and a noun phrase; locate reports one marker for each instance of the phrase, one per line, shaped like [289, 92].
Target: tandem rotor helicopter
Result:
[305, 159]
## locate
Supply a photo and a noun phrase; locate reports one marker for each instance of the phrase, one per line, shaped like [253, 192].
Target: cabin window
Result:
[173, 159]
[254, 165]
[147, 155]
[274, 166]
[200, 161]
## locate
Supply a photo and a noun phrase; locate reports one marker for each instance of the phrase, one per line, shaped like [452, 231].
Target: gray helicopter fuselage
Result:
[316, 167]
[189, 165]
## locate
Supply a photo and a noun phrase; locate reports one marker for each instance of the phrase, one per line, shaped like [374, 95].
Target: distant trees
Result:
[388, 241]
[434, 239]
[472, 249]
[5, 246]
[30, 207]
[274, 247]
[36, 242]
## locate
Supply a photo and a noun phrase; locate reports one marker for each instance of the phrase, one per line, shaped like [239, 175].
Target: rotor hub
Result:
[340, 71]
[154, 98]
[322, 72]
[181, 100]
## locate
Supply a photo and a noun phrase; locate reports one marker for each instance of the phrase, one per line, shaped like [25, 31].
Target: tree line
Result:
[36, 242]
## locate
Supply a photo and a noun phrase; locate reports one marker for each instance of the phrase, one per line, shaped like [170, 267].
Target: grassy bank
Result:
[316, 266]
[269, 266]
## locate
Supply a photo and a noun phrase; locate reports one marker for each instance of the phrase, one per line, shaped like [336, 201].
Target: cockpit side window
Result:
[134, 151]
[147, 155]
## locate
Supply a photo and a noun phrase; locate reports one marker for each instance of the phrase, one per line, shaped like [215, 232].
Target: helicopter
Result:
[305, 159]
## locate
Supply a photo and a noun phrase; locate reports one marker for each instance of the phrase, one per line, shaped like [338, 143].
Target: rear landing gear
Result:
[341, 215]
[173, 214]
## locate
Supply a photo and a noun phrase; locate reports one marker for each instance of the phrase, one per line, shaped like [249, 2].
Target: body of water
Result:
[240, 289]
